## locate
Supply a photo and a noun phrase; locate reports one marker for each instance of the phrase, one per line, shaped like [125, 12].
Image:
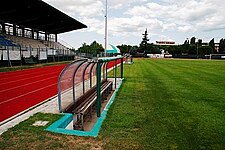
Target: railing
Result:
[10, 54]
[128, 59]
[92, 55]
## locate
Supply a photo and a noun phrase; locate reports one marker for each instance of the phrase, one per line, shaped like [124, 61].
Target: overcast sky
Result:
[170, 20]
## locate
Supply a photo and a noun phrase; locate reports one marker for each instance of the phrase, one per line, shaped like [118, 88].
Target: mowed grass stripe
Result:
[192, 92]
[169, 104]
[200, 97]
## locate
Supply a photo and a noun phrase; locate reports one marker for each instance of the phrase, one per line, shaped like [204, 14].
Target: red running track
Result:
[20, 90]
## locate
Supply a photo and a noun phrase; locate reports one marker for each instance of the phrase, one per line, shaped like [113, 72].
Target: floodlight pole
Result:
[106, 9]
[197, 50]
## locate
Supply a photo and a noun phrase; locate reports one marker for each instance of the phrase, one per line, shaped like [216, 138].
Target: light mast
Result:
[106, 9]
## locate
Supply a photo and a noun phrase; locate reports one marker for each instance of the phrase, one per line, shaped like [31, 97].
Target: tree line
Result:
[94, 48]
[194, 47]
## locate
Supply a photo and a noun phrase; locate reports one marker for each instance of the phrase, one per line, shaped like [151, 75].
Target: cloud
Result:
[121, 4]
[94, 25]
[186, 28]
[165, 19]
[169, 26]
[133, 26]
[183, 16]
[187, 16]
[81, 8]
[212, 23]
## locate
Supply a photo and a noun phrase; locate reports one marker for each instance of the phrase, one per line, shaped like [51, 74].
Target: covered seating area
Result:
[32, 24]
[85, 84]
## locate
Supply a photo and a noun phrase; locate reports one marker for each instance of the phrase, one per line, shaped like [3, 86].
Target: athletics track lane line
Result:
[26, 89]
[26, 94]
[30, 83]
[15, 77]
[22, 103]
[15, 102]
[11, 83]
[22, 73]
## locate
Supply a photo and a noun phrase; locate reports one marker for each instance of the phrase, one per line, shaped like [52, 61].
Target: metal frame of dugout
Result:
[83, 77]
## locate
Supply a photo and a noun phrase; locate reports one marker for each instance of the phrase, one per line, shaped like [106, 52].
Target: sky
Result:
[165, 20]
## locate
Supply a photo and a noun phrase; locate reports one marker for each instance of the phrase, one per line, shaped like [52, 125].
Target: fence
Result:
[128, 59]
[15, 55]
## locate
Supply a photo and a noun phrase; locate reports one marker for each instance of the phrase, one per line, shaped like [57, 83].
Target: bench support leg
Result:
[82, 122]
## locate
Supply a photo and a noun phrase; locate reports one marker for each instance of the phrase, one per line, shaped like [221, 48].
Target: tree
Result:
[93, 48]
[186, 42]
[144, 43]
[124, 48]
[212, 45]
[145, 38]
[192, 49]
[147, 48]
[133, 50]
[96, 48]
[199, 41]
[222, 46]
[84, 48]
[193, 40]
[172, 49]
[204, 50]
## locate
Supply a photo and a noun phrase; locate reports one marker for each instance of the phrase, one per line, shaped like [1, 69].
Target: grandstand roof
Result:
[36, 14]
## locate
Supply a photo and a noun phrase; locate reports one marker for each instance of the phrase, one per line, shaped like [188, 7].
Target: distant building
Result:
[165, 43]
[204, 44]
[217, 46]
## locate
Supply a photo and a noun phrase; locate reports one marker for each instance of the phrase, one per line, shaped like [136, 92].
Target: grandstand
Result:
[26, 42]
[26, 32]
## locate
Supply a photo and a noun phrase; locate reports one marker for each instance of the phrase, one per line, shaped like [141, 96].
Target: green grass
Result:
[25, 136]
[162, 104]
[169, 104]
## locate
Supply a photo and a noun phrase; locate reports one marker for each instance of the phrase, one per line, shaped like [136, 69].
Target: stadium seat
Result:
[6, 42]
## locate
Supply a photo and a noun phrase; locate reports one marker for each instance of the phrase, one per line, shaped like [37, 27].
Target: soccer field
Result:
[169, 104]
[162, 104]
